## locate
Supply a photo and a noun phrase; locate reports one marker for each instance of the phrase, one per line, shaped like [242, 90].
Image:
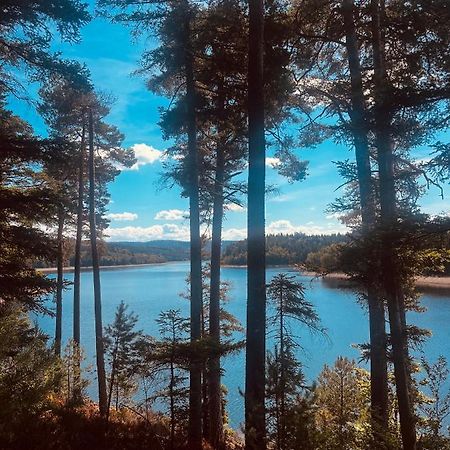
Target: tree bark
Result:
[99, 346]
[196, 306]
[378, 360]
[389, 219]
[77, 269]
[78, 241]
[281, 427]
[214, 382]
[59, 281]
[255, 423]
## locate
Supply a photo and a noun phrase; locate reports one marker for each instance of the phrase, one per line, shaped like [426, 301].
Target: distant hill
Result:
[283, 248]
[130, 253]
[166, 249]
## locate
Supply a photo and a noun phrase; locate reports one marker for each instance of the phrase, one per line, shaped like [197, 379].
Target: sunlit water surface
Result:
[148, 290]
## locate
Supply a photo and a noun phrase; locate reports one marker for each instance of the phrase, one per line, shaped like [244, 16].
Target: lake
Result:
[148, 290]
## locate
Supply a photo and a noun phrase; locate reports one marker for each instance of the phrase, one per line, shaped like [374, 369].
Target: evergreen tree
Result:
[436, 407]
[285, 379]
[168, 356]
[122, 345]
[27, 30]
[28, 202]
[29, 373]
[343, 405]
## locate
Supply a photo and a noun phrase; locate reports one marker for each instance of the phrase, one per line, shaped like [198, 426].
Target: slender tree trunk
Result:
[391, 281]
[78, 241]
[281, 429]
[112, 379]
[214, 382]
[99, 346]
[378, 360]
[59, 281]
[77, 270]
[195, 379]
[255, 421]
[172, 403]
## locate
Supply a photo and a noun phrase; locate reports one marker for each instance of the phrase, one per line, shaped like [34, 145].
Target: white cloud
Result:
[181, 232]
[335, 215]
[171, 214]
[234, 207]
[234, 234]
[125, 216]
[151, 233]
[286, 227]
[272, 162]
[145, 154]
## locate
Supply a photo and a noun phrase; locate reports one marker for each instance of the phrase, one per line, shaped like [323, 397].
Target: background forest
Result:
[237, 80]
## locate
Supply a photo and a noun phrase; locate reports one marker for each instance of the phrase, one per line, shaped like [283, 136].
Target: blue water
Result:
[148, 290]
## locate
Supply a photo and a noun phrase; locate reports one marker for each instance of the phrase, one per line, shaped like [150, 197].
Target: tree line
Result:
[241, 78]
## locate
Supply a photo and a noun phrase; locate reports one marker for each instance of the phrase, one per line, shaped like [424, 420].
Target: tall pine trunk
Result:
[390, 264]
[196, 306]
[281, 423]
[214, 381]
[59, 281]
[255, 423]
[99, 345]
[78, 240]
[378, 360]
[77, 268]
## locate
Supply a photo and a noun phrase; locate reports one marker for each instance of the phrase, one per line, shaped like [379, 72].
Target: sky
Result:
[141, 208]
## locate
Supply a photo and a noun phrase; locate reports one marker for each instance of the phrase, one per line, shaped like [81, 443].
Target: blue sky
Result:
[141, 209]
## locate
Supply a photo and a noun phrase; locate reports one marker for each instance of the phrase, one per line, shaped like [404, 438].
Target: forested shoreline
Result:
[243, 85]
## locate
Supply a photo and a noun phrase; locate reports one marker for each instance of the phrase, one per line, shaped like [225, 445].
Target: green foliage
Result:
[435, 408]
[283, 249]
[288, 399]
[168, 359]
[122, 350]
[73, 382]
[27, 31]
[326, 260]
[27, 201]
[29, 372]
[343, 402]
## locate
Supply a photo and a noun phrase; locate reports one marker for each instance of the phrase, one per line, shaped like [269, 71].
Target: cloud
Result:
[171, 214]
[335, 215]
[272, 162]
[125, 216]
[234, 234]
[151, 233]
[181, 232]
[234, 207]
[145, 154]
[286, 227]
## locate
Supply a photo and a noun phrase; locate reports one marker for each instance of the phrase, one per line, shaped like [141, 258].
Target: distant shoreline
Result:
[433, 282]
[430, 282]
[70, 269]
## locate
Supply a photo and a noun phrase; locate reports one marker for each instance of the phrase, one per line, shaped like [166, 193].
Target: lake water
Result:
[148, 290]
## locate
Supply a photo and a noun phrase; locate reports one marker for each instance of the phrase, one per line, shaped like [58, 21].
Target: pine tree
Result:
[28, 201]
[285, 379]
[122, 346]
[28, 28]
[168, 356]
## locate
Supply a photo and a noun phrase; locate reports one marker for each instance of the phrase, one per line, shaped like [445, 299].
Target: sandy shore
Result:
[433, 282]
